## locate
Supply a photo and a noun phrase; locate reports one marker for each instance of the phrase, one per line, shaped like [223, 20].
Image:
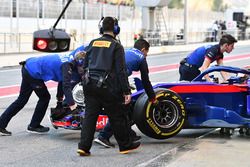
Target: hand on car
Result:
[154, 101]
[127, 99]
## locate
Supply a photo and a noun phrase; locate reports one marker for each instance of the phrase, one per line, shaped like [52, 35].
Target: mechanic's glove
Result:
[59, 105]
[76, 111]
[154, 101]
[58, 113]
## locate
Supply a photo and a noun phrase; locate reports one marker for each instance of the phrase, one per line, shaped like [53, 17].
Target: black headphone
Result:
[116, 29]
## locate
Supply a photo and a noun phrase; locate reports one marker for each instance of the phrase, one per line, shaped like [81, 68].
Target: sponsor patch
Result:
[101, 44]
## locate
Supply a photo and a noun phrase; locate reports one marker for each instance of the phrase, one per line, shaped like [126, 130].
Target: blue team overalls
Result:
[189, 67]
[35, 72]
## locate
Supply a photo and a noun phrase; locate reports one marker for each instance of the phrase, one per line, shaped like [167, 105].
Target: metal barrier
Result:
[156, 38]
[22, 42]
[15, 43]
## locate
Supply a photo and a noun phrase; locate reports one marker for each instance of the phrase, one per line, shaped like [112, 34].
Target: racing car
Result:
[195, 104]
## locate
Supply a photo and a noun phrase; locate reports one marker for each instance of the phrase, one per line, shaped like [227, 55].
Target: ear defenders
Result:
[100, 26]
[116, 29]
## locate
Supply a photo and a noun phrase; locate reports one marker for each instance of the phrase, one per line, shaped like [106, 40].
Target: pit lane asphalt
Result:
[58, 147]
[210, 149]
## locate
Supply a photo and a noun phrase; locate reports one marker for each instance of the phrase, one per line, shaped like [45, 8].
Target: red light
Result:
[41, 44]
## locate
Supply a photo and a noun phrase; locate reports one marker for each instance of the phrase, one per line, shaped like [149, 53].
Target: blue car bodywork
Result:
[207, 104]
[195, 104]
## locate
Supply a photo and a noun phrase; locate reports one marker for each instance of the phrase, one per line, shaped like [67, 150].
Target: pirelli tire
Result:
[163, 120]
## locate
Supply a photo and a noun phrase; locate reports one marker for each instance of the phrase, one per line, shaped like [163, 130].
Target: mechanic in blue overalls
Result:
[200, 59]
[136, 61]
[36, 71]
[71, 76]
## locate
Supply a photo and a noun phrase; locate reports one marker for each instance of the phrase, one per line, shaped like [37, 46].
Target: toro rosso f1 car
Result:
[195, 104]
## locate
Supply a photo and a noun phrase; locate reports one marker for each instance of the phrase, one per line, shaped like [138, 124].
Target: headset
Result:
[116, 29]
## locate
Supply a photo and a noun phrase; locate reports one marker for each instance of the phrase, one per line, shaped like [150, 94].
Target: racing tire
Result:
[163, 120]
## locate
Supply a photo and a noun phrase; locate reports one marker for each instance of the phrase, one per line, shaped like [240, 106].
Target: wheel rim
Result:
[165, 114]
[78, 95]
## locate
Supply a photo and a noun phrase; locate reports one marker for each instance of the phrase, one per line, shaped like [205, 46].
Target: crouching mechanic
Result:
[36, 71]
[200, 59]
[72, 73]
[136, 61]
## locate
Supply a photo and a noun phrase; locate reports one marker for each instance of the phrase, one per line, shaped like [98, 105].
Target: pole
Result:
[37, 13]
[17, 20]
[186, 22]
[11, 16]
[63, 11]
[81, 23]
[4, 43]
[43, 12]
[66, 18]
[118, 14]
[85, 20]
[11, 22]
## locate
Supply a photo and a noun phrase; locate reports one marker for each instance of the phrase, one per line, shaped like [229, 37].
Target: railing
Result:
[15, 43]
[156, 38]
[22, 42]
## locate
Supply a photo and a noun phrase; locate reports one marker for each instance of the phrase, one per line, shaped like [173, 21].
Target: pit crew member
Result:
[136, 61]
[106, 87]
[200, 59]
[36, 71]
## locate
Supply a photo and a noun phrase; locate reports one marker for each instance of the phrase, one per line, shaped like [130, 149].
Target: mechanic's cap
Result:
[79, 57]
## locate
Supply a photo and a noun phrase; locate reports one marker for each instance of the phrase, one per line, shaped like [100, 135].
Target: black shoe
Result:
[136, 138]
[4, 132]
[81, 152]
[104, 142]
[39, 130]
[133, 146]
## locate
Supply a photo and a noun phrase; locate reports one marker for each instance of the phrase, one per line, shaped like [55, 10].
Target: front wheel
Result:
[162, 121]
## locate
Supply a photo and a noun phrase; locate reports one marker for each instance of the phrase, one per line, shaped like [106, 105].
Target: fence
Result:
[156, 38]
[20, 18]
[22, 42]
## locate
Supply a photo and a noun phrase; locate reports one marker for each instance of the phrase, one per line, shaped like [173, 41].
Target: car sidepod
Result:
[215, 105]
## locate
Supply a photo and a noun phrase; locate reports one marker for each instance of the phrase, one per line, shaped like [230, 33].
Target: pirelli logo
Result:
[101, 44]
